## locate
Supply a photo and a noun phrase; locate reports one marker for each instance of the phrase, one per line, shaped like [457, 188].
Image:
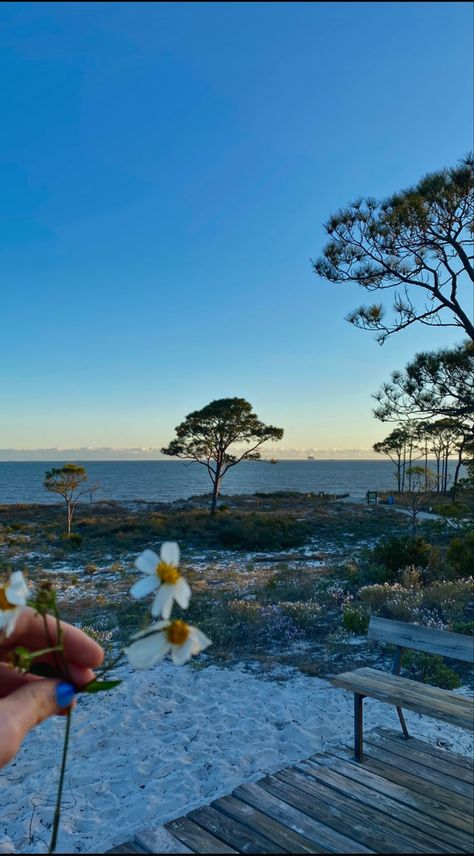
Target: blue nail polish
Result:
[64, 694]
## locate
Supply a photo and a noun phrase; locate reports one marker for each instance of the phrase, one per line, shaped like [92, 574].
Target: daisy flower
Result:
[176, 637]
[13, 597]
[161, 572]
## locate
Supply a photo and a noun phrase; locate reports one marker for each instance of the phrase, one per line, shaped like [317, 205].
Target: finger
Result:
[30, 631]
[55, 669]
[11, 680]
[21, 711]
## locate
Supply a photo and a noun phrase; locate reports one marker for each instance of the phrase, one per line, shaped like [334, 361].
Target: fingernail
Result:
[64, 694]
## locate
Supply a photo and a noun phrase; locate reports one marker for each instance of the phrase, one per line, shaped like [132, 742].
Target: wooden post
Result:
[358, 727]
[397, 664]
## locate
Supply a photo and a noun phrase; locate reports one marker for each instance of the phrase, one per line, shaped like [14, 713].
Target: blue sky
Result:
[166, 170]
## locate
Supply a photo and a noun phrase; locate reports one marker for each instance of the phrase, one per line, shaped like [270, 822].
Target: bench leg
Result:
[403, 723]
[358, 727]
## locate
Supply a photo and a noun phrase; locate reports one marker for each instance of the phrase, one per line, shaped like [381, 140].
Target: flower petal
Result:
[144, 653]
[15, 614]
[18, 588]
[170, 553]
[180, 654]
[163, 602]
[182, 593]
[199, 640]
[147, 562]
[144, 586]
[152, 628]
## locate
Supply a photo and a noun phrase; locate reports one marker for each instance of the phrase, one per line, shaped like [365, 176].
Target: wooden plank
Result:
[457, 646]
[234, 833]
[129, 847]
[430, 748]
[320, 834]
[408, 687]
[330, 815]
[443, 820]
[404, 747]
[394, 773]
[197, 839]
[388, 831]
[157, 839]
[413, 826]
[290, 841]
[430, 701]
[412, 765]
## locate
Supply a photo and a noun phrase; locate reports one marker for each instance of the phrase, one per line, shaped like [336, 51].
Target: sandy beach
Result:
[171, 739]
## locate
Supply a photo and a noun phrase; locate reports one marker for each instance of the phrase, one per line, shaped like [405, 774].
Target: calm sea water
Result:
[170, 480]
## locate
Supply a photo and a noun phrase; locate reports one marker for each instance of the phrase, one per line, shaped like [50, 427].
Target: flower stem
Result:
[57, 811]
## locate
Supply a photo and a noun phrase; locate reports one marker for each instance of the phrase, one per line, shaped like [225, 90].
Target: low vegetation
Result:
[293, 587]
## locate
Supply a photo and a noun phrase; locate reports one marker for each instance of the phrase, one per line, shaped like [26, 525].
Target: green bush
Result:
[466, 627]
[398, 552]
[356, 619]
[460, 555]
[430, 669]
[73, 540]
[260, 532]
[372, 574]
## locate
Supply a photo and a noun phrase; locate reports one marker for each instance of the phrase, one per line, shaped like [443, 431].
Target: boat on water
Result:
[310, 458]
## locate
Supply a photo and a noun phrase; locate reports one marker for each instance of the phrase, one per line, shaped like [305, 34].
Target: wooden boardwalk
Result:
[407, 797]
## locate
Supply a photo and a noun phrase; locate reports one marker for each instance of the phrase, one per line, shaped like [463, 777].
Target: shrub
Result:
[375, 596]
[399, 552]
[356, 619]
[260, 532]
[90, 568]
[410, 577]
[430, 669]
[73, 540]
[460, 555]
[306, 614]
[371, 573]
[449, 598]
[466, 627]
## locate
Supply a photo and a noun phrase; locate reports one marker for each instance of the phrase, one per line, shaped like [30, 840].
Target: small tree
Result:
[206, 436]
[67, 481]
[394, 446]
[417, 243]
[422, 483]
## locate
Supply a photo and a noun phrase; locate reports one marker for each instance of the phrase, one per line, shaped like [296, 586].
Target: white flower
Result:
[13, 597]
[150, 646]
[161, 572]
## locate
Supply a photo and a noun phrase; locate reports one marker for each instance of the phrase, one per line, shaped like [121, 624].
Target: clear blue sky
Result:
[166, 170]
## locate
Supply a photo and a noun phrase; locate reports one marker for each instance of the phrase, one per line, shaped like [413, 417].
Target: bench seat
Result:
[412, 695]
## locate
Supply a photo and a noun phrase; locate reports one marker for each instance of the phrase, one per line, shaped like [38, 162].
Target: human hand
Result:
[25, 699]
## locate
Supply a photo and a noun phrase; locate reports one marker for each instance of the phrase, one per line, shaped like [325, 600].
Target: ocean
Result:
[166, 481]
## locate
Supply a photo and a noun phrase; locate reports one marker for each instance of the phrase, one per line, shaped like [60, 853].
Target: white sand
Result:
[169, 740]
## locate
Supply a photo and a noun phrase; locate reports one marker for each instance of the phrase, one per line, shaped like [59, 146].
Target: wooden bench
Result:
[404, 692]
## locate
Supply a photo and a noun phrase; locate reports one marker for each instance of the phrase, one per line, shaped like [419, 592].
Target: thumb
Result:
[22, 710]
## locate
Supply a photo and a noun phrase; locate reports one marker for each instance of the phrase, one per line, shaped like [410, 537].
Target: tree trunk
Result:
[68, 516]
[458, 468]
[215, 489]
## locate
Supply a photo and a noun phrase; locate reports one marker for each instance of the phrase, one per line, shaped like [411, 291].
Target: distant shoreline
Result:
[74, 460]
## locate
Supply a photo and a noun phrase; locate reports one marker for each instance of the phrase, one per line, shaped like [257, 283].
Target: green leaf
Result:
[100, 686]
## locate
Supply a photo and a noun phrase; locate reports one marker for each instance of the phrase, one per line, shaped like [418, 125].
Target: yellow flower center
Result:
[167, 573]
[4, 603]
[177, 632]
